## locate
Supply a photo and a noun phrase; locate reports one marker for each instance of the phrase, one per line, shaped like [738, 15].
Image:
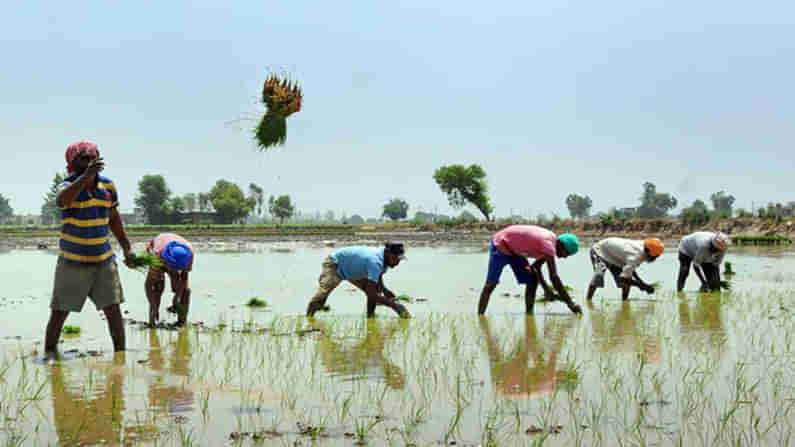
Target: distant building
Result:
[30, 219]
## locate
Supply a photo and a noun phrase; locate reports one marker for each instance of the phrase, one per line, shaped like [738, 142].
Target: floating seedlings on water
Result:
[256, 302]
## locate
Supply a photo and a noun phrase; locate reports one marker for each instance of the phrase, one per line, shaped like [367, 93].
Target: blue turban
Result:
[176, 255]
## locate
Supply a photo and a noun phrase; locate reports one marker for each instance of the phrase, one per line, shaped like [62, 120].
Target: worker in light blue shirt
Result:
[363, 267]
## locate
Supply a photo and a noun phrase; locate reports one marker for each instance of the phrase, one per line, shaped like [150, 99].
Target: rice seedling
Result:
[404, 298]
[281, 98]
[71, 330]
[727, 268]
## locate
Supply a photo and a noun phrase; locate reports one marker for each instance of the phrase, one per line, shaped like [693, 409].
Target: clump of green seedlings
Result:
[146, 260]
[727, 269]
[71, 330]
[256, 302]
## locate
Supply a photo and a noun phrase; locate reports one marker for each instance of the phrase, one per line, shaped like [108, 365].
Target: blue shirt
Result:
[359, 263]
[85, 223]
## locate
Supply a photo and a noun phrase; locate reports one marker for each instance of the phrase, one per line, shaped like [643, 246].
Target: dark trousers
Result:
[711, 280]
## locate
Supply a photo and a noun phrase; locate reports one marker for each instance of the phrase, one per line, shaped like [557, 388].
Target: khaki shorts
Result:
[328, 280]
[76, 282]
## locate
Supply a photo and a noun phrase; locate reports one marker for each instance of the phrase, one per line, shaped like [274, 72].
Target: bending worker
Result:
[622, 257]
[513, 245]
[704, 250]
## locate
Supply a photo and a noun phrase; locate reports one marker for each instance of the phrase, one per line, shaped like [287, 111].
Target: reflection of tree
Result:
[703, 321]
[168, 397]
[625, 331]
[366, 354]
[528, 367]
[92, 413]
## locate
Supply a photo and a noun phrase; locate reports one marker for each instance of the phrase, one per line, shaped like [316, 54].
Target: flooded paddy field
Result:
[687, 369]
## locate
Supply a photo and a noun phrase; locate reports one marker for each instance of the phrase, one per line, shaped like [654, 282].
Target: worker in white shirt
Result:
[622, 257]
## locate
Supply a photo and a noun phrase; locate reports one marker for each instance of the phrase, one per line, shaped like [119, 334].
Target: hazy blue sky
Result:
[586, 97]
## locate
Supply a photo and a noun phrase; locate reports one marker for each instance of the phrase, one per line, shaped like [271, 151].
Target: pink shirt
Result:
[157, 245]
[529, 241]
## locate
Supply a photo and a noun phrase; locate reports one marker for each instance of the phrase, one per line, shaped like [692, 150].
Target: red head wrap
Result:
[75, 148]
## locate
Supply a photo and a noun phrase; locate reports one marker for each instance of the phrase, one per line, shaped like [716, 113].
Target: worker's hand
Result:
[575, 308]
[649, 289]
[129, 259]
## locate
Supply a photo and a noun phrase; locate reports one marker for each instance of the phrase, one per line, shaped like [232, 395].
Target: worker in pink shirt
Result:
[513, 245]
[176, 255]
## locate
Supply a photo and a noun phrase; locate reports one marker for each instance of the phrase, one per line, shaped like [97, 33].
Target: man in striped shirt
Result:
[86, 264]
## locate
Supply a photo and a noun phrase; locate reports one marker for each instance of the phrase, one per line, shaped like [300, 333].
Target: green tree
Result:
[722, 203]
[258, 194]
[281, 207]
[653, 203]
[153, 198]
[229, 202]
[50, 213]
[697, 213]
[579, 206]
[5, 208]
[396, 209]
[190, 200]
[465, 185]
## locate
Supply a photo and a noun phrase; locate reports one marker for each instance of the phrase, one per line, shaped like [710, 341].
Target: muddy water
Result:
[703, 368]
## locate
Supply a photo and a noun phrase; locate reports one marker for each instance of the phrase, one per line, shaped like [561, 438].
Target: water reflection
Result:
[365, 358]
[700, 321]
[91, 410]
[527, 367]
[626, 330]
[165, 394]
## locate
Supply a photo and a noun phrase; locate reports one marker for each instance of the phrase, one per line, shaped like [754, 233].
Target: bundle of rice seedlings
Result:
[282, 98]
[146, 260]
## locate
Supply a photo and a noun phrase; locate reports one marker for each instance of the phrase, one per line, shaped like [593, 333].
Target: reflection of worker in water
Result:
[96, 415]
[703, 320]
[163, 393]
[365, 355]
[528, 368]
[625, 330]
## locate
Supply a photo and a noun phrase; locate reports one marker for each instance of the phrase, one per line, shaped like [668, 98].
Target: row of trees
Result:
[5, 208]
[463, 185]
[226, 200]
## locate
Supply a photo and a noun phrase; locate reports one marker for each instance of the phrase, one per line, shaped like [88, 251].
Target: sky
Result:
[550, 98]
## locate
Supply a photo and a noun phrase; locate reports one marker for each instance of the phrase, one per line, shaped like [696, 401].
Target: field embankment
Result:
[26, 237]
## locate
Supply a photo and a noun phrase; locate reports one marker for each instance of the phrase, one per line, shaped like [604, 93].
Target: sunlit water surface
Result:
[700, 369]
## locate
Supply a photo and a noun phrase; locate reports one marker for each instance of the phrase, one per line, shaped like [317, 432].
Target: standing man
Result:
[363, 267]
[513, 245]
[176, 254]
[622, 257]
[86, 264]
[704, 250]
